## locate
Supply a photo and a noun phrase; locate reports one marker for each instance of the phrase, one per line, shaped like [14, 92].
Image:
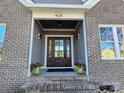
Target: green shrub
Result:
[81, 67]
[35, 69]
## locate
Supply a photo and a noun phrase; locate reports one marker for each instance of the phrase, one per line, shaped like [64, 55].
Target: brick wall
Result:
[14, 65]
[105, 12]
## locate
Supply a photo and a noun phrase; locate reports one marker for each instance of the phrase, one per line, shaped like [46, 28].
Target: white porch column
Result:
[85, 45]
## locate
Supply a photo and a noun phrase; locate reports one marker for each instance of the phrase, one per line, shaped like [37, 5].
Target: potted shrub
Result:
[83, 66]
[80, 69]
[36, 69]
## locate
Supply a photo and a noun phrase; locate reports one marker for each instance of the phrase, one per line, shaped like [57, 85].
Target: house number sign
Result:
[58, 14]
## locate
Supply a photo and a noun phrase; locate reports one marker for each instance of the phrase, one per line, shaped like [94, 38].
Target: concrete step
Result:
[63, 86]
[82, 91]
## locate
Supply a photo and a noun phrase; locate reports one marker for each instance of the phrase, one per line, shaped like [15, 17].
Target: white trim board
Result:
[31, 45]
[87, 5]
[91, 3]
[58, 14]
[72, 49]
[25, 2]
[86, 48]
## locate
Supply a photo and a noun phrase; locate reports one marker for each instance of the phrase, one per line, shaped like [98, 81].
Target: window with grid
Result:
[59, 48]
[2, 35]
[112, 41]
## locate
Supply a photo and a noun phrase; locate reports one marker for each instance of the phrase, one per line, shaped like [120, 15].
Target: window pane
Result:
[120, 33]
[61, 48]
[59, 54]
[68, 54]
[106, 34]
[57, 42]
[50, 51]
[107, 50]
[68, 48]
[56, 54]
[61, 43]
[56, 48]
[50, 48]
[121, 45]
[2, 35]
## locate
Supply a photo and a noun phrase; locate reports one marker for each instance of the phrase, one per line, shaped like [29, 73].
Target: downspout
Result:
[85, 45]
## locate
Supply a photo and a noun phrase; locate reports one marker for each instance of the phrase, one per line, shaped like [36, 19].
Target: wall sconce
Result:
[39, 36]
[77, 36]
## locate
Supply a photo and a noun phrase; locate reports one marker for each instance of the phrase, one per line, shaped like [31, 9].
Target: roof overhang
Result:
[87, 5]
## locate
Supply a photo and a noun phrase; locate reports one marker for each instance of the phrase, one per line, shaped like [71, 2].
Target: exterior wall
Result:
[105, 12]
[14, 65]
[79, 54]
[38, 46]
[38, 51]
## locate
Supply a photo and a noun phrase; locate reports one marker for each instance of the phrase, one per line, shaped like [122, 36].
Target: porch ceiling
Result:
[59, 24]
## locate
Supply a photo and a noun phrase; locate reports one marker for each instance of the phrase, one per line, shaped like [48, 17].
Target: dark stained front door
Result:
[59, 52]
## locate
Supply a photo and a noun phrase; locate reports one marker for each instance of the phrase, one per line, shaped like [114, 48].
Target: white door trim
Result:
[72, 50]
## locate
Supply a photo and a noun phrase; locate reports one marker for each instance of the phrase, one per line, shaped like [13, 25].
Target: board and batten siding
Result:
[38, 46]
[38, 50]
[79, 52]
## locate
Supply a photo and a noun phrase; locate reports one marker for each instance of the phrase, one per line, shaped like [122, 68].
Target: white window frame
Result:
[116, 45]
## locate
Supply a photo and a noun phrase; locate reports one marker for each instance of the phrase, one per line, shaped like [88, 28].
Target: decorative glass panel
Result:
[68, 48]
[61, 54]
[2, 35]
[57, 43]
[56, 48]
[61, 42]
[121, 45]
[50, 48]
[107, 50]
[120, 33]
[59, 48]
[68, 54]
[106, 34]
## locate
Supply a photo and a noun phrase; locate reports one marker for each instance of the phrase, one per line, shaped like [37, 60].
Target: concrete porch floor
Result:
[71, 74]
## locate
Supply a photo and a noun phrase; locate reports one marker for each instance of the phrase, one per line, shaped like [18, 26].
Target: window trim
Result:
[116, 45]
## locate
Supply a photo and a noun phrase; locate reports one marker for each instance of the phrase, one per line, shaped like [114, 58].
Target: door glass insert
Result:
[50, 48]
[59, 48]
[68, 48]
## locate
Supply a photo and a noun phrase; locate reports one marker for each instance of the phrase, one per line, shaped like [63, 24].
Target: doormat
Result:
[60, 70]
